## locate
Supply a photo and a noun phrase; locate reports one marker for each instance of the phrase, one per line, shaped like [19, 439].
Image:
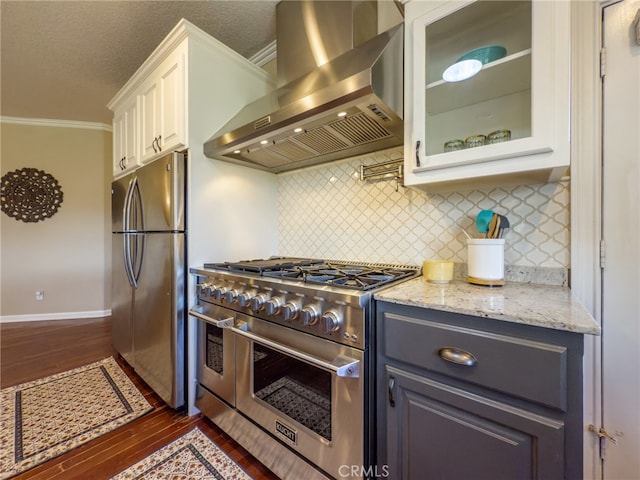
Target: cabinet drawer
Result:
[532, 370]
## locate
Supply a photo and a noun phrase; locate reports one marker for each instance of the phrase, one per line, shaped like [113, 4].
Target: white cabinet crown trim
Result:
[182, 31]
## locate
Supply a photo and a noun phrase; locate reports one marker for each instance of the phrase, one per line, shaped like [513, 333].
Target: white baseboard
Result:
[39, 317]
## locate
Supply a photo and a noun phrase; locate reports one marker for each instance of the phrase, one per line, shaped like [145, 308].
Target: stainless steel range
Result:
[284, 359]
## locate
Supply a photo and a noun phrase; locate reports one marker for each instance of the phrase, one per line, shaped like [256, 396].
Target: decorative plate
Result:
[30, 195]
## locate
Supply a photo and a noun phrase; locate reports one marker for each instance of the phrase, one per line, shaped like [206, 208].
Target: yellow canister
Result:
[437, 271]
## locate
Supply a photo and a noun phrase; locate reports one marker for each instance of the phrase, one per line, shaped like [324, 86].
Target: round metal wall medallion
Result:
[30, 195]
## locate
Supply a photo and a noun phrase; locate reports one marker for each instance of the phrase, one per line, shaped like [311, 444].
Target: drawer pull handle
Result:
[457, 356]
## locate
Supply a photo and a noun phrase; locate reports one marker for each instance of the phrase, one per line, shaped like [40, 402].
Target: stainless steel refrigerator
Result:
[149, 274]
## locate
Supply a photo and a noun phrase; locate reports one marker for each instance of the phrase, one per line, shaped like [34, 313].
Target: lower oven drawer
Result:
[306, 391]
[216, 368]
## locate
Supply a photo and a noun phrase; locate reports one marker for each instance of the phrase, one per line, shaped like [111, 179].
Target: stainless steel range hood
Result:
[350, 105]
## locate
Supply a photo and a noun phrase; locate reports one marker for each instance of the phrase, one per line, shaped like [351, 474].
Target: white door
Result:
[621, 233]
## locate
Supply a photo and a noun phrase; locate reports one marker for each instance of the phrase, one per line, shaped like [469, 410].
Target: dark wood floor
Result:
[31, 350]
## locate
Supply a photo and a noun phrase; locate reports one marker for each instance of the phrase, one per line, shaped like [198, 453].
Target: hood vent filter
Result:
[359, 129]
[346, 133]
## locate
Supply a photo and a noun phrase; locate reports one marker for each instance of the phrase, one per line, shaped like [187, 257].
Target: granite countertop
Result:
[546, 306]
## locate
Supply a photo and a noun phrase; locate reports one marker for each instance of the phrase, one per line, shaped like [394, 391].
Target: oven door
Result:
[216, 350]
[306, 391]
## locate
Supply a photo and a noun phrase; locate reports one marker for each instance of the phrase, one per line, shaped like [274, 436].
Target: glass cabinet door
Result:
[488, 85]
[492, 39]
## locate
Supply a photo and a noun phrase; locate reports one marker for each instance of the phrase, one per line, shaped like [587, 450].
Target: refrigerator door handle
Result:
[126, 250]
[127, 226]
[126, 210]
[139, 259]
[137, 206]
[140, 239]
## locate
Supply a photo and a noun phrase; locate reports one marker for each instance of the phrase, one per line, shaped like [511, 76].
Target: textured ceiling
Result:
[66, 59]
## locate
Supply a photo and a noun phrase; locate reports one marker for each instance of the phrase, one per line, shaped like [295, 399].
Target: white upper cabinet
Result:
[162, 101]
[190, 85]
[508, 123]
[149, 119]
[125, 138]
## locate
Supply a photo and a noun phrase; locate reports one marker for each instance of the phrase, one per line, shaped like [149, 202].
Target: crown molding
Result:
[265, 55]
[46, 122]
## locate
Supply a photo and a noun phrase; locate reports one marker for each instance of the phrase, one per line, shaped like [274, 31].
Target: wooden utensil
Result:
[494, 226]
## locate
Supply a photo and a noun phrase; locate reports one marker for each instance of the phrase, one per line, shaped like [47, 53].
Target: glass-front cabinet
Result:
[487, 91]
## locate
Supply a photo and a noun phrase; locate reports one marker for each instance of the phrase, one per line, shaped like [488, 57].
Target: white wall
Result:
[64, 255]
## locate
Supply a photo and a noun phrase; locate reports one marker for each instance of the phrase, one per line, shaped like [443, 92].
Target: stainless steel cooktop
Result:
[326, 298]
[356, 276]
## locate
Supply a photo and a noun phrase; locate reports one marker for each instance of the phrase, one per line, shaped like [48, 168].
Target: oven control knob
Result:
[290, 311]
[257, 302]
[218, 292]
[309, 315]
[207, 290]
[202, 288]
[231, 295]
[331, 321]
[243, 299]
[273, 306]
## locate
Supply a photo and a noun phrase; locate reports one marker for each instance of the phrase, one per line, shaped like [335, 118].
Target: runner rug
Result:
[45, 418]
[192, 456]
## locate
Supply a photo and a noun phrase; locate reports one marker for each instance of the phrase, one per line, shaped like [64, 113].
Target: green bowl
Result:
[486, 54]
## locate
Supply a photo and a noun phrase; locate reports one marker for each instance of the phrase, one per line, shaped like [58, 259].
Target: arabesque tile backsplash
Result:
[327, 212]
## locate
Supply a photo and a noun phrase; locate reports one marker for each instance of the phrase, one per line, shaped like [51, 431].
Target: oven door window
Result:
[213, 340]
[296, 389]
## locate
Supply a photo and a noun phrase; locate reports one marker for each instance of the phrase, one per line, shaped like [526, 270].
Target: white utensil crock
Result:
[485, 261]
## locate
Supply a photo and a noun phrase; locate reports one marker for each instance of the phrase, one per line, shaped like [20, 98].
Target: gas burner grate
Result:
[360, 277]
[262, 266]
[289, 273]
[335, 273]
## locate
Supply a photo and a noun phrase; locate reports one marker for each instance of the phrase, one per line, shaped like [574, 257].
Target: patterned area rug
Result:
[47, 417]
[193, 456]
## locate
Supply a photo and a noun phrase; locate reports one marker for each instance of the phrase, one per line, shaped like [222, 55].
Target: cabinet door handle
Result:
[158, 143]
[153, 144]
[391, 387]
[457, 356]
[418, 153]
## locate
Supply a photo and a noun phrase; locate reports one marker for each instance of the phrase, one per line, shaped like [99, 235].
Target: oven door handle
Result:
[222, 323]
[341, 366]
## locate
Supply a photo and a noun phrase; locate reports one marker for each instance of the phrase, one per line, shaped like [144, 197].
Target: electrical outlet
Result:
[40, 295]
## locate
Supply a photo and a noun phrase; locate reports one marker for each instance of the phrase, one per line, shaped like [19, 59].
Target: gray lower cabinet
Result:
[463, 397]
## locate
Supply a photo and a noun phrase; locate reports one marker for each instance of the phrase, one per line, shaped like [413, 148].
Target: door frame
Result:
[586, 192]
